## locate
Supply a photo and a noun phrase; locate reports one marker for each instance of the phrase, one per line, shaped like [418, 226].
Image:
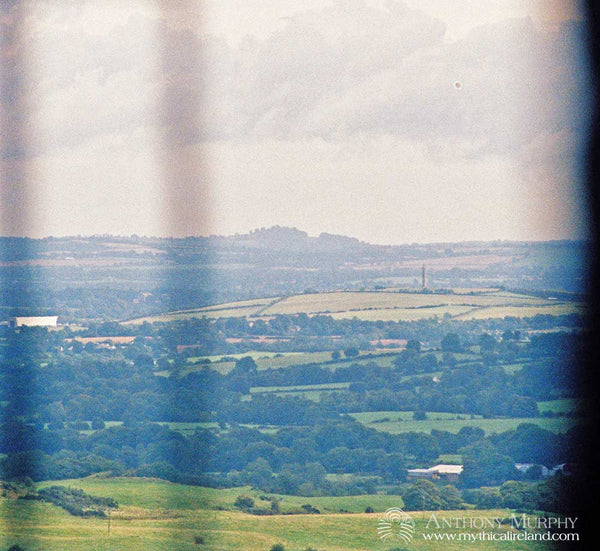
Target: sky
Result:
[389, 121]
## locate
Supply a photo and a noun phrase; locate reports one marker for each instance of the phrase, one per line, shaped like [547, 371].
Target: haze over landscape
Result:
[275, 274]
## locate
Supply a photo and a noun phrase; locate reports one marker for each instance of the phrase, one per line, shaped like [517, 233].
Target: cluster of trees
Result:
[57, 395]
[42, 380]
[293, 460]
[75, 502]
[557, 494]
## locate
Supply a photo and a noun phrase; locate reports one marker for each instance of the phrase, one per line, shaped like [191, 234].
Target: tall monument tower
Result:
[424, 277]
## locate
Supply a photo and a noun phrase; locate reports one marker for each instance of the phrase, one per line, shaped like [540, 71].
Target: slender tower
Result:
[424, 276]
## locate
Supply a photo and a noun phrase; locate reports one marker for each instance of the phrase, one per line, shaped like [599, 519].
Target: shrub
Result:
[419, 415]
[77, 502]
[244, 502]
[97, 423]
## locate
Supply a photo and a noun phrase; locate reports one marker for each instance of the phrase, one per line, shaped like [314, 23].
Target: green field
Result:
[385, 305]
[159, 516]
[275, 360]
[402, 421]
[566, 405]
[308, 392]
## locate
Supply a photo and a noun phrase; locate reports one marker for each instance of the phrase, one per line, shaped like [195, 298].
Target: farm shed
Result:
[449, 473]
[33, 321]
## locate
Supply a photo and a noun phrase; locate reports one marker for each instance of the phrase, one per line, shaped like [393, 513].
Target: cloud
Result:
[508, 97]
[332, 73]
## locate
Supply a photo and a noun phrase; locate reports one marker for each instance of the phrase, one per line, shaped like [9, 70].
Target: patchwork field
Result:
[386, 305]
[396, 422]
[160, 516]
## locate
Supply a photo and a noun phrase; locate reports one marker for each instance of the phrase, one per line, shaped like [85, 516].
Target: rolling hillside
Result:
[387, 305]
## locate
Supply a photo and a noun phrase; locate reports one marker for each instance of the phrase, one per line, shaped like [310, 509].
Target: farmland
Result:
[386, 305]
[163, 516]
[301, 384]
[397, 422]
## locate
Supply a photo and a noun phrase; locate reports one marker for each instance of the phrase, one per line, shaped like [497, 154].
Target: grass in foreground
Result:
[160, 516]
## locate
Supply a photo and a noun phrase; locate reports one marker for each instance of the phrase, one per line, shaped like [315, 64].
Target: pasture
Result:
[397, 422]
[386, 305]
[160, 516]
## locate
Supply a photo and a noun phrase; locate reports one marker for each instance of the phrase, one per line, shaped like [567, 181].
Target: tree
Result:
[243, 502]
[97, 423]
[487, 343]
[422, 495]
[517, 495]
[450, 497]
[351, 352]
[335, 355]
[245, 366]
[414, 344]
[484, 466]
[449, 359]
[451, 343]
[144, 361]
[259, 472]
[483, 498]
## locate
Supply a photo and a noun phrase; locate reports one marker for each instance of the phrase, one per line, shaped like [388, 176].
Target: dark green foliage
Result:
[77, 502]
[414, 344]
[310, 438]
[244, 502]
[484, 466]
[483, 498]
[451, 343]
[422, 495]
[351, 352]
[97, 423]
[450, 498]
[310, 510]
[278, 547]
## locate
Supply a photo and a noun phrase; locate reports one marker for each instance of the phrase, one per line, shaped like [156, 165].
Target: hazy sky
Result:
[390, 121]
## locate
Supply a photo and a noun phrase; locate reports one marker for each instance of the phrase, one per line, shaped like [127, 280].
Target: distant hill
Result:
[110, 277]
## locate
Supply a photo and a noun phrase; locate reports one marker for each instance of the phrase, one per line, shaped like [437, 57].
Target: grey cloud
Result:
[515, 83]
[344, 70]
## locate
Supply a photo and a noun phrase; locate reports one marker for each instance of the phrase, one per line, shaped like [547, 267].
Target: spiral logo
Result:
[396, 524]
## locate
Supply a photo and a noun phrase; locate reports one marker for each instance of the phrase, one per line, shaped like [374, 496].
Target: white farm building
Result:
[33, 321]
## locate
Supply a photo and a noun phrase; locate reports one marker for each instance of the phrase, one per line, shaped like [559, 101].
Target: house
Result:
[447, 473]
[33, 321]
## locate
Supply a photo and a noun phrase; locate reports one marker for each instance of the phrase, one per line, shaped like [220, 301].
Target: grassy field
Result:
[274, 360]
[385, 305]
[159, 516]
[396, 422]
[566, 405]
[560, 309]
[308, 392]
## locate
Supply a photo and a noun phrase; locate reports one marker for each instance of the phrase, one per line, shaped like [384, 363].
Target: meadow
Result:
[386, 305]
[397, 422]
[159, 516]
